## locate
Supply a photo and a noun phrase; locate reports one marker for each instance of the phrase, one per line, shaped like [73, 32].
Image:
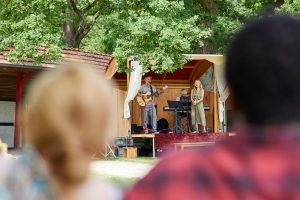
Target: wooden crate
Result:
[129, 152]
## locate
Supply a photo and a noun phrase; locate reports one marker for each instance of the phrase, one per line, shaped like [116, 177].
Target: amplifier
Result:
[123, 142]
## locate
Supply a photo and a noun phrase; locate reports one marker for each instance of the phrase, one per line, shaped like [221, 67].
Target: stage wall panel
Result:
[161, 101]
[120, 126]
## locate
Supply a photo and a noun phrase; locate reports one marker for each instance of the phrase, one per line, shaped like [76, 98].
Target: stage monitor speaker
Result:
[136, 129]
[162, 124]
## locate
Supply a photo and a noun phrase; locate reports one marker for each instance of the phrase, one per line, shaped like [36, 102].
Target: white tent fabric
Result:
[221, 112]
[134, 85]
[223, 91]
[221, 83]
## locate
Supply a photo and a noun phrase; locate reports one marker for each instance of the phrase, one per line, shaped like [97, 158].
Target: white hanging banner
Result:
[222, 89]
[134, 86]
[221, 82]
[221, 111]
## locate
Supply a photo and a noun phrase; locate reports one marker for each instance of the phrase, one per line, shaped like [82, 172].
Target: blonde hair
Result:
[200, 86]
[66, 118]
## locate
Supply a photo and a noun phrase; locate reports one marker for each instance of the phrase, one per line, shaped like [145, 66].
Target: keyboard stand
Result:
[175, 105]
[176, 126]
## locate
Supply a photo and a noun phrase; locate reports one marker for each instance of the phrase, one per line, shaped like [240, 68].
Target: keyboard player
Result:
[183, 114]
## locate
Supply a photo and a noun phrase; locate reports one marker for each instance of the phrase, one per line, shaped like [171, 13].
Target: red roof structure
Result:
[15, 76]
[99, 60]
[9, 70]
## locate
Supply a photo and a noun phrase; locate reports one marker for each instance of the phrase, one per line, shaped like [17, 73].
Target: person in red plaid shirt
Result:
[263, 160]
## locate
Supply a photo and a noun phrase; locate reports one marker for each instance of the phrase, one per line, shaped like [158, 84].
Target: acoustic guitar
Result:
[146, 98]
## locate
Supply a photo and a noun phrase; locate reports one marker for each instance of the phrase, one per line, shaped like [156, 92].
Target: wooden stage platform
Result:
[163, 142]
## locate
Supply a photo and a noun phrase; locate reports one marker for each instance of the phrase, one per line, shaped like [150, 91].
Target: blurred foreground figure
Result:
[66, 119]
[263, 160]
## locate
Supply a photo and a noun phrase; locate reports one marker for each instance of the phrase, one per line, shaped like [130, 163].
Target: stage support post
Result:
[19, 92]
[129, 120]
[21, 80]
[216, 113]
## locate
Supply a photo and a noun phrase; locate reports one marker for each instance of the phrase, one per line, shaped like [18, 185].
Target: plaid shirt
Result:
[258, 163]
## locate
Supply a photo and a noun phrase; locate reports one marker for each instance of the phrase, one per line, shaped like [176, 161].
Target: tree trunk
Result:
[69, 34]
[76, 30]
[279, 3]
[76, 43]
[209, 5]
[204, 4]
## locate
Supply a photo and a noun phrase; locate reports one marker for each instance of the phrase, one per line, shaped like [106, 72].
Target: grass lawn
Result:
[123, 181]
[145, 160]
[122, 171]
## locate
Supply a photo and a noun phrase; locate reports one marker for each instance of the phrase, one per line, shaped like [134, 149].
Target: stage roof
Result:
[193, 69]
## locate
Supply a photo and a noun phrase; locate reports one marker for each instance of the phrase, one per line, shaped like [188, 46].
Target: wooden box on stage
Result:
[129, 152]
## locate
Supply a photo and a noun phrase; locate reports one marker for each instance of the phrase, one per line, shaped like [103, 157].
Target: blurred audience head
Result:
[66, 119]
[263, 70]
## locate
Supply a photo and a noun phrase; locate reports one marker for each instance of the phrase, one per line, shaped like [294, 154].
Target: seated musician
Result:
[184, 114]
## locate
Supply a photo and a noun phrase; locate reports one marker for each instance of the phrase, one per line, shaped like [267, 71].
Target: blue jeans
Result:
[149, 115]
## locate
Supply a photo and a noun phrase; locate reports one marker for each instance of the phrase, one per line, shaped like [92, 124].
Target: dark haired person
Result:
[263, 160]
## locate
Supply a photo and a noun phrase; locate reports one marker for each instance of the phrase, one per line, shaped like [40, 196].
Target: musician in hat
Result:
[148, 111]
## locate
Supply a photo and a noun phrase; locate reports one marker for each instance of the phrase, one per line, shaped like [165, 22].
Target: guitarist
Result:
[149, 109]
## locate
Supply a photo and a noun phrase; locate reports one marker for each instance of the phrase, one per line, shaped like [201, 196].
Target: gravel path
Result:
[120, 168]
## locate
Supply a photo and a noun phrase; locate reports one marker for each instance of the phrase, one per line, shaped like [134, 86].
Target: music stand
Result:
[175, 105]
[186, 104]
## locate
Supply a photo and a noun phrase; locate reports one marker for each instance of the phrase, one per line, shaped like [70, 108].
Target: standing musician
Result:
[149, 111]
[198, 114]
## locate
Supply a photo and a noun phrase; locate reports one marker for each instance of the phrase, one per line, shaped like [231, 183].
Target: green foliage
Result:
[34, 28]
[225, 18]
[156, 32]
[290, 7]
[29, 25]
[95, 40]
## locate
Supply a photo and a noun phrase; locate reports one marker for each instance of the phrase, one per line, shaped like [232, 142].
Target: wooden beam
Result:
[193, 72]
[128, 74]
[164, 77]
[200, 68]
[19, 92]
[111, 69]
[172, 84]
[216, 113]
[128, 122]
[21, 80]
[188, 66]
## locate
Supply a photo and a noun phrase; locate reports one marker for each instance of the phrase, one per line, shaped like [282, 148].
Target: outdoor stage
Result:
[164, 142]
